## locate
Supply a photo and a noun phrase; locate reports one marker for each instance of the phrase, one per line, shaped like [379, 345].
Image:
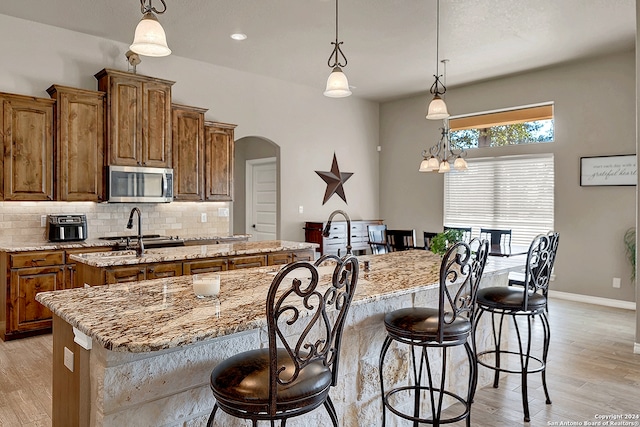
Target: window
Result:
[525, 125]
[511, 192]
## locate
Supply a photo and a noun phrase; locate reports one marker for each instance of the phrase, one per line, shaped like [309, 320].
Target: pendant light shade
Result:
[437, 109]
[444, 167]
[337, 84]
[150, 38]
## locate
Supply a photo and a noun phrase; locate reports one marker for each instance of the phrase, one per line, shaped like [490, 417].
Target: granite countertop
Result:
[164, 313]
[181, 253]
[93, 243]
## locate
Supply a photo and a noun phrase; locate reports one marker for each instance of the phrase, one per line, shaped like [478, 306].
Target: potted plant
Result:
[441, 241]
[630, 245]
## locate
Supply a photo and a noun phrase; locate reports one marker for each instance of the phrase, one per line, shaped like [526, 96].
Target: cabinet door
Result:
[124, 118]
[279, 258]
[158, 271]
[27, 128]
[247, 262]
[79, 143]
[187, 140]
[28, 314]
[306, 255]
[156, 124]
[219, 147]
[204, 266]
[124, 274]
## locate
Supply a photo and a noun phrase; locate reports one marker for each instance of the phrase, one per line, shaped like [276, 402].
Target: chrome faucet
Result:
[140, 247]
[326, 231]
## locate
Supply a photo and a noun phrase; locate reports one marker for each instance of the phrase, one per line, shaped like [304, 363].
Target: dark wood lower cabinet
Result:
[28, 314]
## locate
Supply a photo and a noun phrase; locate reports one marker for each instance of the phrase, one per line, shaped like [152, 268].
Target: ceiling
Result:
[390, 44]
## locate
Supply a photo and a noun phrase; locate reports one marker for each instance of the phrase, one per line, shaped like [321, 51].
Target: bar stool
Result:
[294, 374]
[449, 325]
[527, 301]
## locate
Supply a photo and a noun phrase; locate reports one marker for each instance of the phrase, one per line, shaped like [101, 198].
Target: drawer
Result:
[339, 228]
[337, 241]
[36, 259]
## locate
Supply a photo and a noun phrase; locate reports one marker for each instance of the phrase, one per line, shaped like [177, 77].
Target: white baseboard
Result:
[627, 305]
[636, 348]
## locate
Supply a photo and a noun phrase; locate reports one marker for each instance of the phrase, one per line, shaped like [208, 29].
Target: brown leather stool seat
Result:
[508, 298]
[422, 324]
[243, 381]
[427, 330]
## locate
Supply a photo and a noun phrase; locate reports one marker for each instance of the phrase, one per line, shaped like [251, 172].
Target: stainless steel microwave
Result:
[140, 184]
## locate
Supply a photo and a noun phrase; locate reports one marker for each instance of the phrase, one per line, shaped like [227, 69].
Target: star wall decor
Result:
[335, 180]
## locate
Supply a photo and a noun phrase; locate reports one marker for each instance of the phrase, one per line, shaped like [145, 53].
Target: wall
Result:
[307, 126]
[248, 148]
[591, 220]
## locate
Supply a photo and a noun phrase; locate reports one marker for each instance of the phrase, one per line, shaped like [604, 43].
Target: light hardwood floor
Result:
[591, 371]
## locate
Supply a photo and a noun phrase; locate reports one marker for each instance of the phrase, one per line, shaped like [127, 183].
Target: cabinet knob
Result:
[141, 271]
[151, 270]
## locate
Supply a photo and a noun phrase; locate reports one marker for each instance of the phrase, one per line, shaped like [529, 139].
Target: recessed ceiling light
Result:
[239, 36]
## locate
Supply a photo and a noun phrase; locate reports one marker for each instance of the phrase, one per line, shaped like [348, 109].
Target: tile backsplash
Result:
[21, 221]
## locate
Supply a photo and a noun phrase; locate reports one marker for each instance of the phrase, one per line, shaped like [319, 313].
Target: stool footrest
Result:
[417, 389]
[530, 370]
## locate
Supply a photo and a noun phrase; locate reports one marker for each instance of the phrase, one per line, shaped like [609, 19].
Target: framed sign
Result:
[608, 170]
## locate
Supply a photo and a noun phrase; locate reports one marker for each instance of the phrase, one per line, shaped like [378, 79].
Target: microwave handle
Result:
[164, 184]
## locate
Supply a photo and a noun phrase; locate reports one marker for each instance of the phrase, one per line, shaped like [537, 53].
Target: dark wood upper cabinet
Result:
[27, 138]
[138, 118]
[188, 152]
[79, 143]
[219, 146]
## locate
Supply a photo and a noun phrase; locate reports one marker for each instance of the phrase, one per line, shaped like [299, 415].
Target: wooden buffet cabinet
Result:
[336, 243]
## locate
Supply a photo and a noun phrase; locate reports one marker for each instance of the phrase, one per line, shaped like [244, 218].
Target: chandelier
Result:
[439, 156]
[337, 83]
[149, 38]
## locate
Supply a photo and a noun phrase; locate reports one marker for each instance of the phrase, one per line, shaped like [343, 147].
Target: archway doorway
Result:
[254, 154]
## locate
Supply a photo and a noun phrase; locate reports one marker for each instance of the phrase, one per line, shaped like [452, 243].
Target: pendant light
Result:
[437, 108]
[149, 38]
[337, 84]
[439, 157]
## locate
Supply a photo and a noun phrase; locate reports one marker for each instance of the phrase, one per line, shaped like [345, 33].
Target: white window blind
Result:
[507, 192]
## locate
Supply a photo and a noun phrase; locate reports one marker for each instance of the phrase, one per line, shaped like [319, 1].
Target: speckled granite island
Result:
[141, 353]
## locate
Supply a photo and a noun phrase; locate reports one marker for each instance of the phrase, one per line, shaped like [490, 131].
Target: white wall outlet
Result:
[203, 217]
[68, 359]
[43, 220]
[223, 211]
[616, 282]
[300, 209]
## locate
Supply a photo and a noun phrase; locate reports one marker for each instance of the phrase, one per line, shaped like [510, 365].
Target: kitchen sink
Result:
[149, 241]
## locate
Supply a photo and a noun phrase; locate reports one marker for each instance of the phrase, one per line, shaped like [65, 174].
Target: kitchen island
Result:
[140, 354]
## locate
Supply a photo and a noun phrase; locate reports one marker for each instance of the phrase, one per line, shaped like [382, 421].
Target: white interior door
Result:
[262, 199]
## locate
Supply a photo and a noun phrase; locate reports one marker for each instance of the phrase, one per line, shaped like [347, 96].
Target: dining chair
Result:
[466, 232]
[436, 329]
[496, 236]
[518, 302]
[428, 235]
[294, 373]
[378, 239]
[401, 240]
